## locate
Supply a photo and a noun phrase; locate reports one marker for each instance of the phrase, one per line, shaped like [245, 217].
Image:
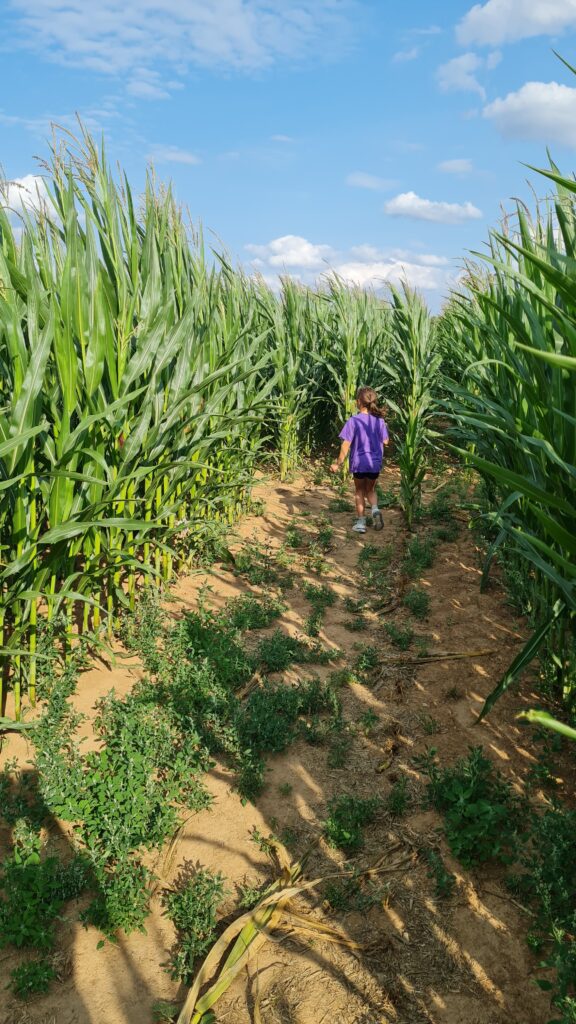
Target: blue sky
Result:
[376, 138]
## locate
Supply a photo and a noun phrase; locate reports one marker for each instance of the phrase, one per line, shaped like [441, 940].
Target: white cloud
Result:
[544, 111]
[364, 266]
[505, 21]
[459, 74]
[282, 138]
[409, 204]
[120, 37]
[172, 155]
[458, 166]
[290, 251]
[406, 55]
[360, 179]
[493, 59]
[382, 272]
[27, 193]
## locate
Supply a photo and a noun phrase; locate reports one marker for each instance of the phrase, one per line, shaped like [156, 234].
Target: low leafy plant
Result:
[374, 561]
[447, 532]
[419, 556]
[250, 612]
[398, 799]
[340, 505]
[355, 605]
[191, 906]
[347, 816]
[417, 601]
[429, 724]
[320, 597]
[368, 721]
[483, 817]
[339, 751]
[325, 537]
[444, 880]
[357, 625]
[32, 978]
[353, 894]
[547, 883]
[34, 891]
[368, 659]
[294, 537]
[401, 637]
[343, 677]
[278, 651]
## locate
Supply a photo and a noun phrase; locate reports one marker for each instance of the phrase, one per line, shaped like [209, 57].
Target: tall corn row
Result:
[514, 334]
[123, 379]
[413, 370]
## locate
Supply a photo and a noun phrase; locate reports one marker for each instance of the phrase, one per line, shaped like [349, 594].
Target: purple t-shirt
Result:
[366, 434]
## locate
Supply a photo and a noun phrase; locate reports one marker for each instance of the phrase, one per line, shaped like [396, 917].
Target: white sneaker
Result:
[359, 526]
[377, 521]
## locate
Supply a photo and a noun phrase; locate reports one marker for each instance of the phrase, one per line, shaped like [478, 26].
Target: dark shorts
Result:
[366, 476]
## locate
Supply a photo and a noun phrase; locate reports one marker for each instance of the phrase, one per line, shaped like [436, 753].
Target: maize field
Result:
[142, 382]
[146, 386]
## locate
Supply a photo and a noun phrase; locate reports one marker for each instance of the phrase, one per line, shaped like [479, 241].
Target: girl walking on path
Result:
[364, 436]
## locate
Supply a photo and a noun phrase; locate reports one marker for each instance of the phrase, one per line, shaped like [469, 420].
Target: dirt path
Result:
[457, 961]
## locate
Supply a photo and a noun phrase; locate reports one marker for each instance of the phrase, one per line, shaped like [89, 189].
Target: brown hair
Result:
[369, 398]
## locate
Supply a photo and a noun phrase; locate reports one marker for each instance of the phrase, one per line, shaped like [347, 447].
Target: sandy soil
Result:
[462, 961]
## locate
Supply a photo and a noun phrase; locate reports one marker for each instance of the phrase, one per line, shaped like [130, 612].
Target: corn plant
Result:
[413, 369]
[514, 410]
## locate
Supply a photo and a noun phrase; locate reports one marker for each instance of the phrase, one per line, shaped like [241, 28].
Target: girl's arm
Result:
[344, 449]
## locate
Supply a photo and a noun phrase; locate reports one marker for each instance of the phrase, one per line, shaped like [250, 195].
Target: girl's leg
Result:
[359, 497]
[371, 496]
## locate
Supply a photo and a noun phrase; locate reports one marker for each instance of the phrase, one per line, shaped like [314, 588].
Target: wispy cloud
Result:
[459, 74]
[172, 155]
[506, 21]
[360, 179]
[544, 111]
[458, 166]
[402, 56]
[409, 204]
[133, 37]
[287, 139]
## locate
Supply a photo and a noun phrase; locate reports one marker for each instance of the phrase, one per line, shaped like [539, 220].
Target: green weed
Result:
[368, 659]
[357, 625]
[276, 652]
[401, 637]
[398, 799]
[192, 906]
[347, 816]
[249, 612]
[340, 505]
[353, 894]
[368, 721]
[32, 978]
[417, 601]
[444, 880]
[483, 818]
[419, 556]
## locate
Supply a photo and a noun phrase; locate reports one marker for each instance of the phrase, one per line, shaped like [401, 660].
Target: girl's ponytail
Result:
[369, 398]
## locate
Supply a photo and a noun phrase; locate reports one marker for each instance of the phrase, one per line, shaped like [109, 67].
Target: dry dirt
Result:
[461, 961]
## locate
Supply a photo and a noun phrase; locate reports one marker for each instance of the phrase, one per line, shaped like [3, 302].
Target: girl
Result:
[364, 436]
